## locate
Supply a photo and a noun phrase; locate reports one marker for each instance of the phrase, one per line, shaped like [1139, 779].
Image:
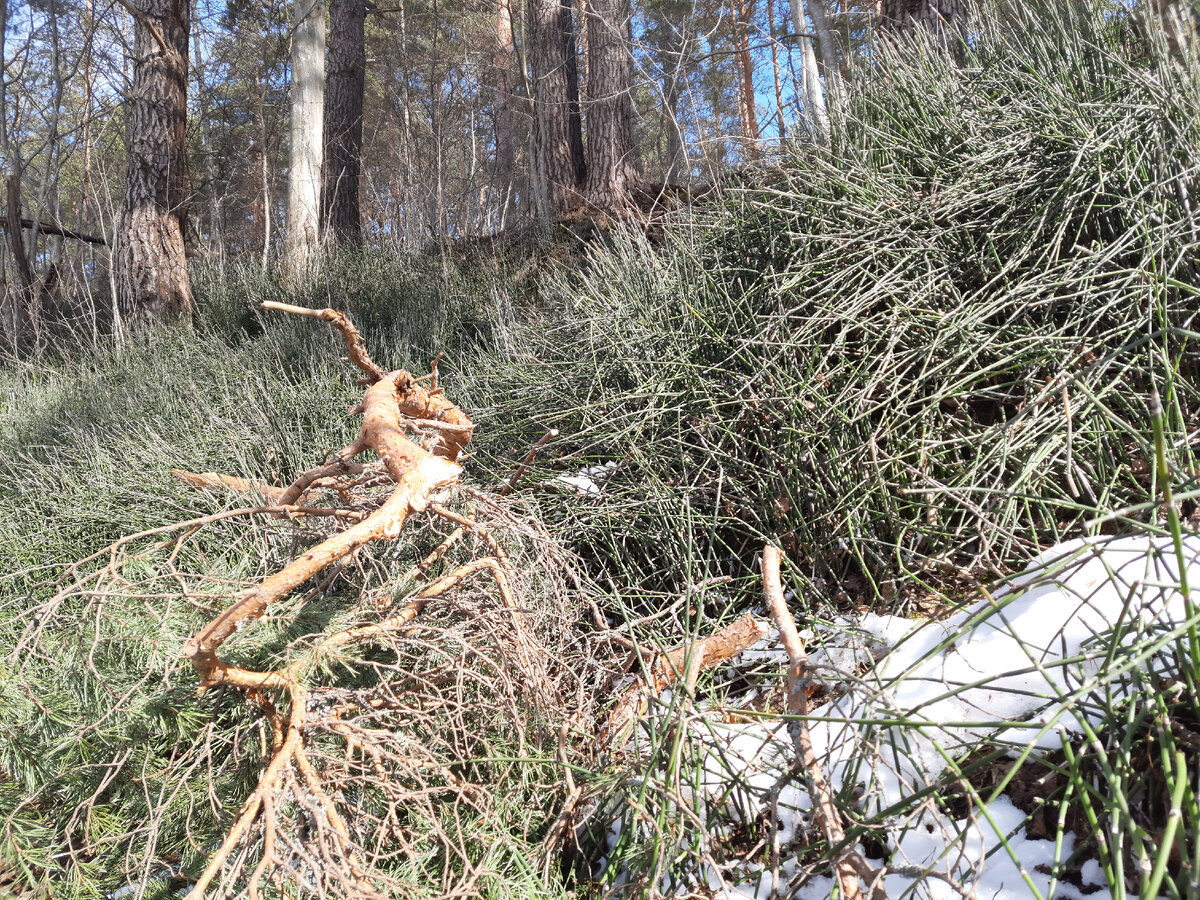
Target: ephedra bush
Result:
[917, 356]
[918, 359]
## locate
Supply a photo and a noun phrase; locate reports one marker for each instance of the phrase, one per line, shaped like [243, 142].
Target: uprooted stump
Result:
[369, 747]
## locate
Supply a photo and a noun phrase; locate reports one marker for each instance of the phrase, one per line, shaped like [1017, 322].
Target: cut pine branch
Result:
[685, 663]
[390, 401]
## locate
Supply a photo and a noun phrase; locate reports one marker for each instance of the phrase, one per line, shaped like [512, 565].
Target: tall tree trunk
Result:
[814, 94]
[570, 55]
[743, 12]
[308, 97]
[775, 70]
[612, 158]
[215, 244]
[827, 50]
[557, 127]
[502, 71]
[150, 265]
[944, 21]
[345, 80]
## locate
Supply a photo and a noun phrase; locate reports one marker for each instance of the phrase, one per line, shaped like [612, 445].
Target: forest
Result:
[600, 448]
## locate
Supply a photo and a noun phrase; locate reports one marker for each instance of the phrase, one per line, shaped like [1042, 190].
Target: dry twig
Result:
[848, 864]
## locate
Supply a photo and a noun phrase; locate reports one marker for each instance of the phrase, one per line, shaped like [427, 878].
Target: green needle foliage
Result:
[926, 350]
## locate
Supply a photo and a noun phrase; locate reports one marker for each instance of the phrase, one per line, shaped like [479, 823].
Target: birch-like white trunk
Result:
[308, 103]
[814, 94]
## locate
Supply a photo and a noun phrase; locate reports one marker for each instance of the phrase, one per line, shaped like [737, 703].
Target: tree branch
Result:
[57, 231]
[142, 19]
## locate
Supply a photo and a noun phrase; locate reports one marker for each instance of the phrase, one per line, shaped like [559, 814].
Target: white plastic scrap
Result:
[587, 481]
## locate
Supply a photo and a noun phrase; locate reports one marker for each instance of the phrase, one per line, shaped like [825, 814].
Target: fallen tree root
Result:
[415, 471]
[391, 398]
[418, 436]
[377, 703]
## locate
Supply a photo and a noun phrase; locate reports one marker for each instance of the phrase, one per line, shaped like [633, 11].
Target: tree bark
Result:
[502, 66]
[814, 95]
[743, 12]
[557, 128]
[570, 56]
[150, 265]
[612, 157]
[308, 97]
[345, 80]
[944, 21]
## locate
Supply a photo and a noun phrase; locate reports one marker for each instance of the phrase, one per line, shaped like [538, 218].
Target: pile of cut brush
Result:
[380, 710]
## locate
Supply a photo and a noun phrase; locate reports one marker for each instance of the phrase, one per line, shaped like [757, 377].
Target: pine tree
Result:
[612, 172]
[151, 266]
[345, 78]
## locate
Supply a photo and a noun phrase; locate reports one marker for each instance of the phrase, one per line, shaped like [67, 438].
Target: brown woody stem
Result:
[845, 864]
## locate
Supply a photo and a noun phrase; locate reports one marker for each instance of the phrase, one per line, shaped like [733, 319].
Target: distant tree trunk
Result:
[16, 237]
[216, 237]
[775, 70]
[1180, 24]
[557, 129]
[308, 97]
[945, 21]
[814, 95]
[345, 80]
[502, 65]
[827, 54]
[671, 97]
[150, 265]
[743, 12]
[612, 158]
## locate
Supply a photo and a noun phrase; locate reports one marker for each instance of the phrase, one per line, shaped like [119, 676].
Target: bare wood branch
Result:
[528, 461]
[667, 668]
[142, 19]
[847, 864]
[56, 231]
[339, 320]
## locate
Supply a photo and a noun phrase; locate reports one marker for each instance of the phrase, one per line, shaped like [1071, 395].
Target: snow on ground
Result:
[1017, 667]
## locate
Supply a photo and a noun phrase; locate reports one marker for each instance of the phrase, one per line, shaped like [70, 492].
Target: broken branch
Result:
[846, 868]
[354, 342]
[667, 668]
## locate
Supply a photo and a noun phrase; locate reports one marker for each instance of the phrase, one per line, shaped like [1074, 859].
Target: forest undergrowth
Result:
[914, 360]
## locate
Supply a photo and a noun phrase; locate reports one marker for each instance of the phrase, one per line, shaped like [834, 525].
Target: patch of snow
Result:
[1016, 667]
